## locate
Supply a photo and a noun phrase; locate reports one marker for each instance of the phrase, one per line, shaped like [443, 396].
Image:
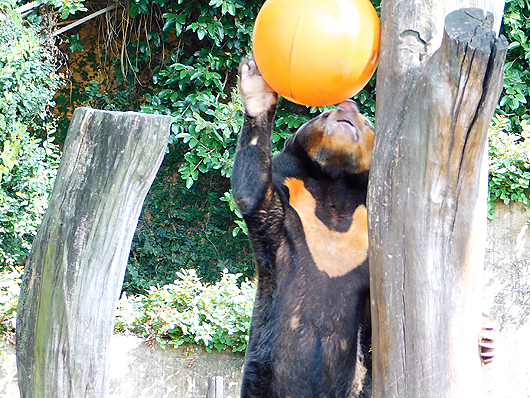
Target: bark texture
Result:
[427, 201]
[75, 271]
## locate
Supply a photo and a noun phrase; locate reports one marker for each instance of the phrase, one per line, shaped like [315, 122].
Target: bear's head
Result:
[339, 140]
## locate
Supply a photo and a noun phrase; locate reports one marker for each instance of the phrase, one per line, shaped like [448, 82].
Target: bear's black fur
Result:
[306, 214]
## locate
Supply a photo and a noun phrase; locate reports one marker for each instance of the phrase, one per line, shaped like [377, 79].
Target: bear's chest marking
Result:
[335, 253]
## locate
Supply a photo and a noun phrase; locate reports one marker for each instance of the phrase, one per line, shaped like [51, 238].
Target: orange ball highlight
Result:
[317, 52]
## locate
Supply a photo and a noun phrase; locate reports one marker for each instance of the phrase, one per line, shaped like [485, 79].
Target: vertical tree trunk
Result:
[75, 271]
[427, 197]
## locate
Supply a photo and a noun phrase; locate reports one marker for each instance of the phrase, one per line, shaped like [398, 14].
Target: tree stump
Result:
[75, 271]
[427, 206]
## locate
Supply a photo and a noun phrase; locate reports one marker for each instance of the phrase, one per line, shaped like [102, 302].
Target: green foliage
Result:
[28, 156]
[75, 43]
[515, 95]
[212, 142]
[66, 7]
[24, 196]
[196, 83]
[184, 228]
[189, 311]
[509, 164]
[99, 98]
[27, 78]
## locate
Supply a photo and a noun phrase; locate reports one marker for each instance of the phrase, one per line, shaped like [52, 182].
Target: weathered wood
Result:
[427, 199]
[216, 387]
[75, 271]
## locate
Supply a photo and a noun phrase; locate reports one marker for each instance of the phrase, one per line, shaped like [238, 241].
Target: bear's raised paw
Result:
[258, 97]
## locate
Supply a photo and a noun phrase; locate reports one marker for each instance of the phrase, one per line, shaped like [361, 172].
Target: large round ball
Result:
[317, 52]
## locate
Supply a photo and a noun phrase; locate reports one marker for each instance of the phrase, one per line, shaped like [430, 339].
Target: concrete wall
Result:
[506, 297]
[140, 371]
[8, 375]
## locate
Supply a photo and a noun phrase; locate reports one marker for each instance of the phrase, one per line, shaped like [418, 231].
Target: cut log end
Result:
[474, 27]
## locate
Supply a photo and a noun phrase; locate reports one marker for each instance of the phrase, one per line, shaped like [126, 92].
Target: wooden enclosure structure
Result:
[427, 194]
[75, 271]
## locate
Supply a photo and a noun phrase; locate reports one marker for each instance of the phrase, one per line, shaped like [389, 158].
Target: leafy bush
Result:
[184, 228]
[509, 164]
[190, 312]
[28, 156]
[514, 98]
[212, 142]
[196, 82]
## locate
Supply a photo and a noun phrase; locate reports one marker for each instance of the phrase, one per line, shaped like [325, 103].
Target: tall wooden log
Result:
[75, 271]
[427, 198]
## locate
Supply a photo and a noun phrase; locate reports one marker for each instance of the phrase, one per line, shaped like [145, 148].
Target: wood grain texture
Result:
[427, 206]
[75, 271]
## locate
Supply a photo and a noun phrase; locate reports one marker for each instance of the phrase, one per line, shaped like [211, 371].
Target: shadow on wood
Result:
[75, 271]
[427, 212]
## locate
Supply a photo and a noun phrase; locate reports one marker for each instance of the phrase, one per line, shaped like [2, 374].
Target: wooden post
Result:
[216, 387]
[427, 197]
[75, 271]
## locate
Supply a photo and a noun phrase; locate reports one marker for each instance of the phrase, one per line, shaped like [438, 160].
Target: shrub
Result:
[515, 95]
[190, 312]
[183, 228]
[216, 316]
[28, 156]
[195, 83]
[509, 164]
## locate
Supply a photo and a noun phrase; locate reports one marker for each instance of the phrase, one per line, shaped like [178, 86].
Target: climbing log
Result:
[427, 198]
[75, 271]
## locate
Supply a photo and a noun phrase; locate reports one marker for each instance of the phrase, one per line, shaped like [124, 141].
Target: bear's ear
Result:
[289, 142]
[298, 138]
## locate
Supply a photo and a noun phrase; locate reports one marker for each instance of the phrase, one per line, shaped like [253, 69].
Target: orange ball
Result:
[317, 52]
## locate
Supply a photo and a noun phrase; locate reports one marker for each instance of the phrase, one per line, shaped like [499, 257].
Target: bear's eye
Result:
[367, 123]
[325, 114]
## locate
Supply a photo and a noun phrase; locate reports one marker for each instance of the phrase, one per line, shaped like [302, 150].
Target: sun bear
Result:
[306, 214]
[305, 209]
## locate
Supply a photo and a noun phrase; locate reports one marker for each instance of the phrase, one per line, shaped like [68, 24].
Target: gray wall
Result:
[140, 371]
[506, 297]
